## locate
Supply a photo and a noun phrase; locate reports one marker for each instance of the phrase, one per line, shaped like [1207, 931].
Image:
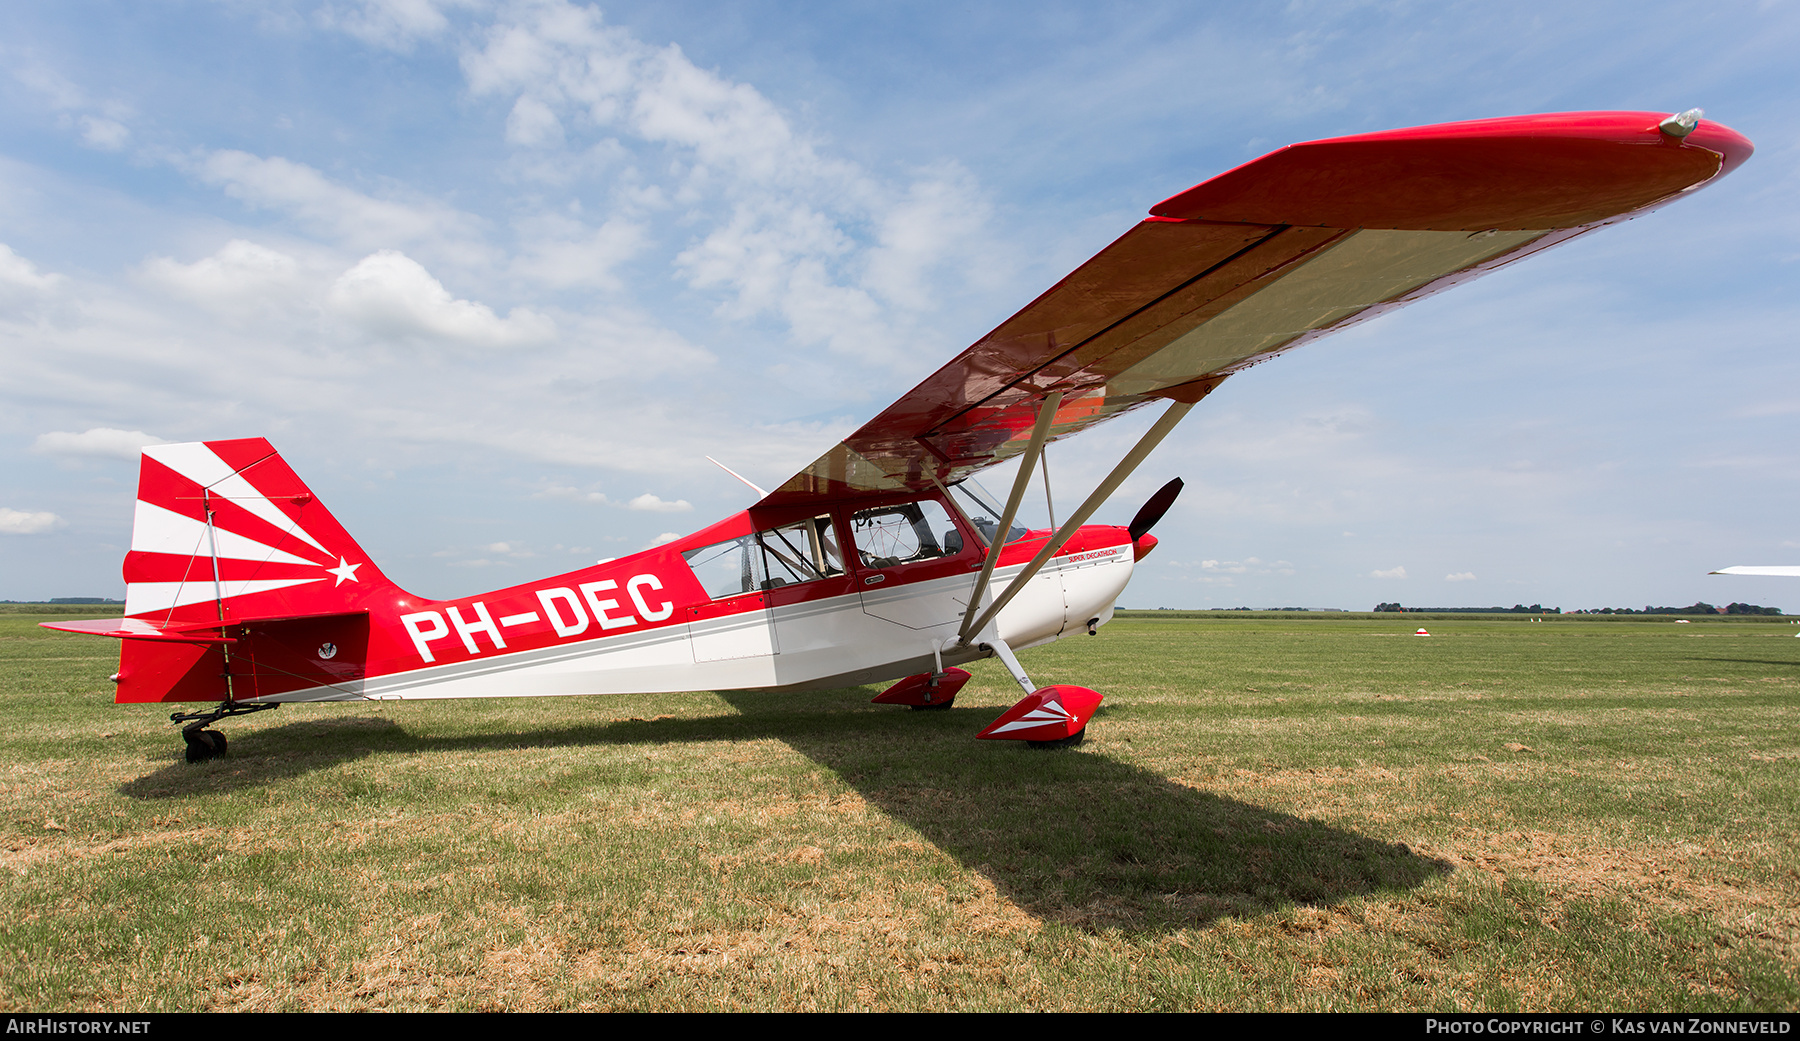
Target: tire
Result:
[199, 745]
[1067, 742]
[203, 745]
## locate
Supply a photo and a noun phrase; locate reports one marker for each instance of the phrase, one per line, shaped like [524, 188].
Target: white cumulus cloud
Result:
[650, 502]
[1395, 572]
[18, 273]
[570, 494]
[99, 441]
[1460, 576]
[393, 24]
[390, 295]
[21, 522]
[240, 272]
[846, 261]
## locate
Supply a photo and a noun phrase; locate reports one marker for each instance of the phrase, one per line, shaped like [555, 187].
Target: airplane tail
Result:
[226, 531]
[239, 583]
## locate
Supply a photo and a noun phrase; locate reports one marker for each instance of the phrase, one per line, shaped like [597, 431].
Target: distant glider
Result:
[878, 560]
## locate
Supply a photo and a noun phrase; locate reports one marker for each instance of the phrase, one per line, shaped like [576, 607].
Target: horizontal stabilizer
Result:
[139, 629]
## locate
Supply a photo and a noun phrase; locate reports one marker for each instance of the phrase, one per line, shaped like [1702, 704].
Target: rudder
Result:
[226, 531]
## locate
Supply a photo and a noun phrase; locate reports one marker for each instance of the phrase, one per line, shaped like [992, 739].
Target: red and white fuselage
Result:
[241, 586]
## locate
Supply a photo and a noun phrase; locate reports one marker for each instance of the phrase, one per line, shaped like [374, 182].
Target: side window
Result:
[728, 568]
[805, 551]
[802, 552]
[905, 533]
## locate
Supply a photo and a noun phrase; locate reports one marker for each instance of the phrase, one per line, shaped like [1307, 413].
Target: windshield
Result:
[982, 510]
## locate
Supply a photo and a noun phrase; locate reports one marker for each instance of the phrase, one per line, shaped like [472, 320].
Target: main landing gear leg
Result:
[204, 744]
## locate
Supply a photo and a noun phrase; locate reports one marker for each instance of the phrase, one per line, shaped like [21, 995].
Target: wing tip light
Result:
[1681, 124]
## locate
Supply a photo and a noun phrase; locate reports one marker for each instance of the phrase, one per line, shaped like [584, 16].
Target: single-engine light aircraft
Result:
[881, 561]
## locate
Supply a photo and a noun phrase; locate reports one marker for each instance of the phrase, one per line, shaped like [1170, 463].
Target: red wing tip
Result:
[1539, 172]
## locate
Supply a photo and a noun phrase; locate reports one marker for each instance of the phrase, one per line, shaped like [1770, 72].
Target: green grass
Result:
[1271, 812]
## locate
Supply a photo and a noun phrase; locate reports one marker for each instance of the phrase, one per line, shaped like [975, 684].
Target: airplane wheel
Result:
[1068, 742]
[199, 748]
[936, 707]
[203, 745]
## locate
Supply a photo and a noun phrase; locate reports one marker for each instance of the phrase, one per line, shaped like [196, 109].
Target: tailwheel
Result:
[203, 744]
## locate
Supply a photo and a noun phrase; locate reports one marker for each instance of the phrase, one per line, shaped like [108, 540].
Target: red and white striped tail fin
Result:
[224, 530]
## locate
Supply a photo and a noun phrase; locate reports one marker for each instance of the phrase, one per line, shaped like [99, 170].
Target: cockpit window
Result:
[905, 533]
[982, 511]
[805, 551]
[728, 568]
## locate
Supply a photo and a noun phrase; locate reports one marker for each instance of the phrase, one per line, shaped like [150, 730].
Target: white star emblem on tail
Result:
[345, 571]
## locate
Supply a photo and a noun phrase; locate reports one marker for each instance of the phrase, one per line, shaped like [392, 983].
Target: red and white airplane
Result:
[880, 561]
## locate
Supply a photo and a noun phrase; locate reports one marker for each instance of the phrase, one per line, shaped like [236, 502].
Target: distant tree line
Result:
[66, 600]
[1514, 609]
[1701, 607]
[1698, 608]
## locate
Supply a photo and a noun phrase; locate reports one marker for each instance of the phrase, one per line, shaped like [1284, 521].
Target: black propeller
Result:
[1154, 509]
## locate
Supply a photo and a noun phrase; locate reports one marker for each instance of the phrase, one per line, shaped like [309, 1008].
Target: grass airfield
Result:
[1271, 812]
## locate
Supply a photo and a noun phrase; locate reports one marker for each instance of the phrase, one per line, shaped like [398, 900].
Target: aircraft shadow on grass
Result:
[1081, 838]
[1070, 836]
[1752, 661]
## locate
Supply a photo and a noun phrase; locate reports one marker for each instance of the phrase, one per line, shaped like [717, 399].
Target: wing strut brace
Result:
[1040, 432]
[1143, 448]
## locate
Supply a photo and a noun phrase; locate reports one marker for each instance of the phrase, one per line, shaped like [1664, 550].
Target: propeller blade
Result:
[1154, 509]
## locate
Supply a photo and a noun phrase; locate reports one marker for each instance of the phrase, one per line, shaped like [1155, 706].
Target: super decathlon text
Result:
[568, 612]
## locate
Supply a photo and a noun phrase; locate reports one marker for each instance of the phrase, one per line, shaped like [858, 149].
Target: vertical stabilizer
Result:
[226, 531]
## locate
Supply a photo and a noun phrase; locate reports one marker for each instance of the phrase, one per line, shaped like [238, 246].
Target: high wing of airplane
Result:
[880, 561]
[1766, 570]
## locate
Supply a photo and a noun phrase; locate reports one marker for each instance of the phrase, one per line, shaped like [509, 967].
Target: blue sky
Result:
[497, 277]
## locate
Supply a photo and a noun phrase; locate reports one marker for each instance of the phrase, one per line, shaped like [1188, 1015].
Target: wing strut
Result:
[1040, 432]
[1143, 448]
